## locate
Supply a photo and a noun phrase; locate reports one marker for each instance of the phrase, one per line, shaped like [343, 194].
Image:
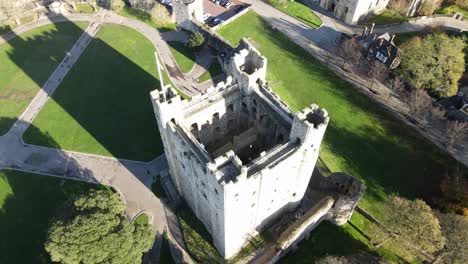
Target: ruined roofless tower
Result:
[237, 154]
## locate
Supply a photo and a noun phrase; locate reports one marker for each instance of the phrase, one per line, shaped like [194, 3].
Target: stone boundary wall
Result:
[213, 39]
[233, 18]
[413, 20]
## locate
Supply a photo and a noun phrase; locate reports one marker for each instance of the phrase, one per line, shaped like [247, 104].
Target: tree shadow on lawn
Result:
[113, 107]
[27, 203]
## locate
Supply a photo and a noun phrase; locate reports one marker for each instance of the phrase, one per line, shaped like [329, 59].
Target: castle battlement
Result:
[237, 154]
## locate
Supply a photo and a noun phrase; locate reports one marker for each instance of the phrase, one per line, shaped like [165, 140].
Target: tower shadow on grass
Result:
[27, 203]
[106, 93]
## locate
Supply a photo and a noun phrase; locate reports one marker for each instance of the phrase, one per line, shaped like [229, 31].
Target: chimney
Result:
[392, 38]
[372, 28]
[364, 32]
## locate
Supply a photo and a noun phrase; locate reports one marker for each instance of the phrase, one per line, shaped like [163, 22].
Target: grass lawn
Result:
[452, 9]
[403, 37]
[198, 240]
[184, 56]
[103, 104]
[84, 8]
[145, 17]
[213, 71]
[361, 138]
[326, 239]
[142, 219]
[27, 19]
[200, 243]
[27, 62]
[299, 11]
[27, 203]
[387, 17]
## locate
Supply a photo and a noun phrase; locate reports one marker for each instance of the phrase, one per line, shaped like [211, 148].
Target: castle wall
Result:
[353, 11]
[186, 10]
[265, 196]
[198, 186]
[240, 192]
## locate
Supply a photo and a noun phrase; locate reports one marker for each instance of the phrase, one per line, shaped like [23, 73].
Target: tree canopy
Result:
[455, 230]
[93, 228]
[414, 223]
[160, 15]
[435, 62]
[117, 5]
[196, 40]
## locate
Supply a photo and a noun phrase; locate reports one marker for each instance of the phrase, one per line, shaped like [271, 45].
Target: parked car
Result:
[166, 2]
[239, 8]
[206, 16]
[209, 20]
[227, 4]
[222, 2]
[217, 21]
[217, 2]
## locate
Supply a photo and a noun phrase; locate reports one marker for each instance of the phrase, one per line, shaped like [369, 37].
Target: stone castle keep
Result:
[237, 154]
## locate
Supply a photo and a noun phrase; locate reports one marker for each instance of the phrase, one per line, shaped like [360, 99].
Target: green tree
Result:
[195, 41]
[414, 224]
[160, 15]
[435, 62]
[454, 192]
[428, 7]
[93, 228]
[117, 5]
[455, 230]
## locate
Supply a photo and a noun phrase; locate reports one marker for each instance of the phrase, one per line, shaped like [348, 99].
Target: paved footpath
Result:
[131, 179]
[176, 75]
[54, 80]
[203, 61]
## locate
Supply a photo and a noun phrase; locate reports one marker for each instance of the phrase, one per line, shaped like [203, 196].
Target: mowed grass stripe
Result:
[103, 105]
[27, 61]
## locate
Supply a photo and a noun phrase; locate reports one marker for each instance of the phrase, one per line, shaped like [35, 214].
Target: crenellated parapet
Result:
[237, 153]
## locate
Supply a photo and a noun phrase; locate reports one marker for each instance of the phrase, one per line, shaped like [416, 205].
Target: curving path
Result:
[202, 63]
[131, 179]
[104, 16]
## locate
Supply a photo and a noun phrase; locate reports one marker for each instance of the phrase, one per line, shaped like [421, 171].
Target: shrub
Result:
[195, 41]
[117, 5]
[93, 228]
[160, 15]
